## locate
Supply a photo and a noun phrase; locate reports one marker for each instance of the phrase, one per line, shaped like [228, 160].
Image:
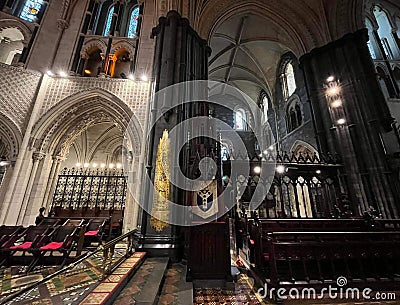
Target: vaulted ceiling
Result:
[246, 50]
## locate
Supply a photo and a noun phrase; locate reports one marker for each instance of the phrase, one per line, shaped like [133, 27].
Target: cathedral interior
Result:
[199, 151]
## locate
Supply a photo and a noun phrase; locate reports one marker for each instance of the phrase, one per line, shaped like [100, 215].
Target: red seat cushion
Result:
[266, 256]
[52, 246]
[24, 246]
[91, 233]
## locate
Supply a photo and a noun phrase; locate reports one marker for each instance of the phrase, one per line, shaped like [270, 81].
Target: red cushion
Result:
[91, 233]
[24, 246]
[52, 246]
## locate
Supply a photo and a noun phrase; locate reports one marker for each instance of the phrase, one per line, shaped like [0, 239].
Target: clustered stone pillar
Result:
[366, 116]
[180, 55]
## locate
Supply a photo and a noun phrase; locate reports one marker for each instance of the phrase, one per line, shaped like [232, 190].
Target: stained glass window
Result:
[108, 21]
[133, 23]
[31, 10]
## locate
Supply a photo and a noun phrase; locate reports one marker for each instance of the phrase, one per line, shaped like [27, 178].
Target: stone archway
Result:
[52, 137]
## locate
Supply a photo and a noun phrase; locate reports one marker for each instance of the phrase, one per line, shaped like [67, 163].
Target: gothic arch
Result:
[14, 23]
[94, 43]
[56, 131]
[345, 16]
[303, 147]
[124, 45]
[11, 137]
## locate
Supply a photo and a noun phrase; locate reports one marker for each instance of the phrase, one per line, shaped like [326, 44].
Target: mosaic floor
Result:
[67, 289]
[242, 295]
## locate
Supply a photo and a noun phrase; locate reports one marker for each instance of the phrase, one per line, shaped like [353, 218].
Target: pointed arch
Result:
[10, 136]
[62, 124]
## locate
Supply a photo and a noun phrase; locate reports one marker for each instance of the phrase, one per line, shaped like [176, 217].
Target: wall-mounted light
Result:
[86, 165]
[336, 103]
[111, 165]
[144, 78]
[119, 165]
[333, 90]
[94, 165]
[102, 165]
[330, 79]
[88, 72]
[341, 121]
[78, 164]
[257, 169]
[50, 73]
[318, 171]
[280, 169]
[62, 74]
[131, 76]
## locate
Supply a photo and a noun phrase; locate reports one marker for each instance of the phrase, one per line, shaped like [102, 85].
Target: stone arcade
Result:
[310, 88]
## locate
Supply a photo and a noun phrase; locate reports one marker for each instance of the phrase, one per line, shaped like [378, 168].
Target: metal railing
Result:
[106, 265]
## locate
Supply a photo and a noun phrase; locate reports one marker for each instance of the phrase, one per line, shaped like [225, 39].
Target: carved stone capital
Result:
[38, 156]
[62, 24]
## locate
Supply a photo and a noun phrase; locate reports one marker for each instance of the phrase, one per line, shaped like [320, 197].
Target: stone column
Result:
[51, 184]
[366, 115]
[37, 158]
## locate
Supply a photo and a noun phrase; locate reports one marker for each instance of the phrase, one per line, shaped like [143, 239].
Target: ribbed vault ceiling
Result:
[246, 50]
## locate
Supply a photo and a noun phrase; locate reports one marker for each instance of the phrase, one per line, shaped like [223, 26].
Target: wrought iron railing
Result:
[90, 188]
[105, 259]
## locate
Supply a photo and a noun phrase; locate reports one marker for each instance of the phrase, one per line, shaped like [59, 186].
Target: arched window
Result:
[290, 81]
[240, 119]
[31, 10]
[294, 116]
[264, 104]
[373, 46]
[133, 23]
[385, 33]
[108, 21]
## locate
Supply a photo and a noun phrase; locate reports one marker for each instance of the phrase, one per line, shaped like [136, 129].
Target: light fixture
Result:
[257, 169]
[330, 79]
[4, 162]
[341, 121]
[333, 90]
[50, 73]
[280, 169]
[94, 165]
[102, 165]
[78, 164]
[119, 165]
[131, 76]
[260, 155]
[271, 148]
[336, 103]
[111, 165]
[318, 171]
[266, 151]
[62, 73]
[86, 165]
[87, 71]
[144, 77]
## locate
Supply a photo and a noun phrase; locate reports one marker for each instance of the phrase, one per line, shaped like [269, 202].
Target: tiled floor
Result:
[242, 295]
